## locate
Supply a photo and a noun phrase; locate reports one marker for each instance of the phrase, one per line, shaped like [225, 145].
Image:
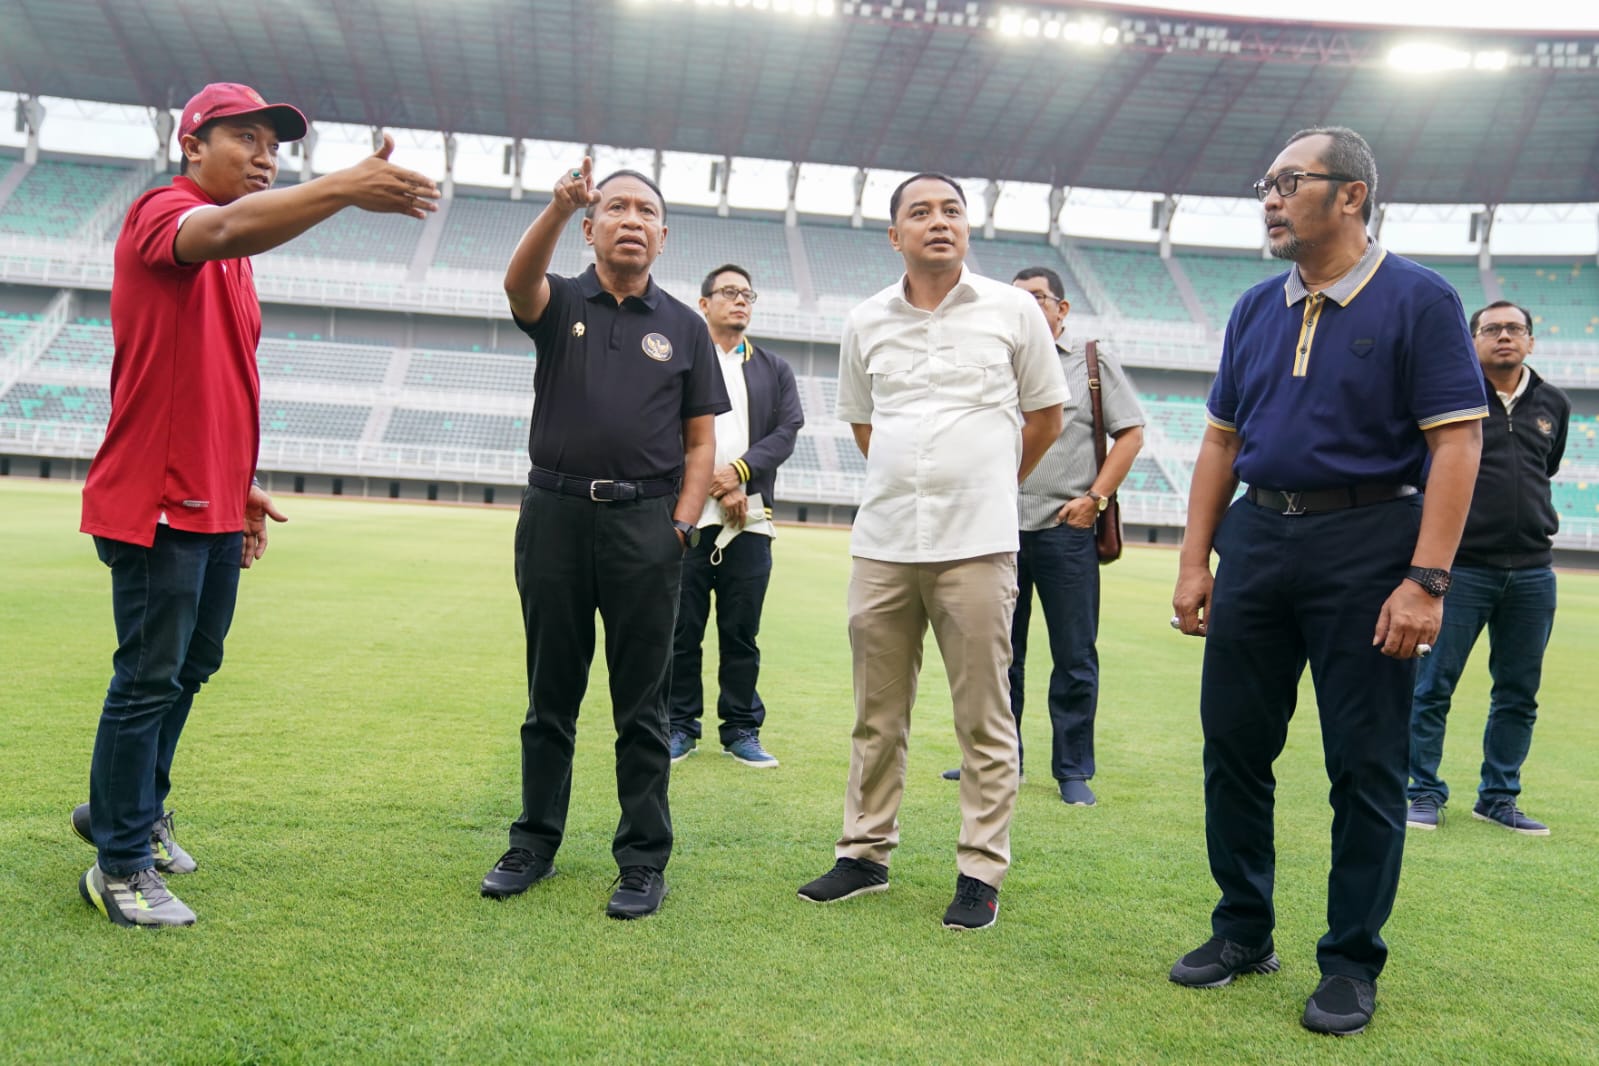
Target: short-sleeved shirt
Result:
[944, 391]
[1332, 389]
[185, 426]
[1068, 469]
[613, 383]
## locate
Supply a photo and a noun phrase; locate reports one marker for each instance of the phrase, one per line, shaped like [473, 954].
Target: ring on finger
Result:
[577, 175]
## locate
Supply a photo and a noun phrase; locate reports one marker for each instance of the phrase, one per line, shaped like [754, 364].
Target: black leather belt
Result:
[600, 490]
[1313, 500]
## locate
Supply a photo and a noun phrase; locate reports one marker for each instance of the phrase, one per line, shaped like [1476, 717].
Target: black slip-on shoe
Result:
[1340, 1006]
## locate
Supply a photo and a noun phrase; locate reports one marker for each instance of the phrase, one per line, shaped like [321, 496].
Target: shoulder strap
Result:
[1091, 355]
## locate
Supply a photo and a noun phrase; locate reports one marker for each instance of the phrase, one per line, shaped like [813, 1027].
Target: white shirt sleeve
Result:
[1040, 382]
[854, 383]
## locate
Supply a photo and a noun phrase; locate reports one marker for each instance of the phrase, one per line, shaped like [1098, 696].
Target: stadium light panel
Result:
[1110, 35]
[1426, 58]
[1052, 29]
[1491, 60]
[1030, 28]
[1010, 24]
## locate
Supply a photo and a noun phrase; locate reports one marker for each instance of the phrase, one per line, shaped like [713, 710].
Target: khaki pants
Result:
[969, 603]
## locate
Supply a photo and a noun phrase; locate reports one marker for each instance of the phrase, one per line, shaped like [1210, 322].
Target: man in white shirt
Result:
[952, 388]
[733, 554]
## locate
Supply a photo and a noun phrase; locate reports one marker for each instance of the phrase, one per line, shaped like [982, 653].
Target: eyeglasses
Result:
[1046, 298]
[1287, 183]
[1509, 329]
[733, 292]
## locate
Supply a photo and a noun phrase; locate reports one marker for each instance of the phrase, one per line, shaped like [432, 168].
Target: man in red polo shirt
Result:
[170, 498]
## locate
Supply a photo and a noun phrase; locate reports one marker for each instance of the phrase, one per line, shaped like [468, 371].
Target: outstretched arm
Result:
[526, 286]
[262, 221]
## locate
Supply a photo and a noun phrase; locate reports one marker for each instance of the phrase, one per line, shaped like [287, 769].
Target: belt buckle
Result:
[593, 485]
[1293, 501]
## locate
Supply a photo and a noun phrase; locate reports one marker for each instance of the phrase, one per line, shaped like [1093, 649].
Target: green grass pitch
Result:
[347, 778]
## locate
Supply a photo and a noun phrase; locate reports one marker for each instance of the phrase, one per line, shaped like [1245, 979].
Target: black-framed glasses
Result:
[1509, 329]
[1287, 183]
[1046, 298]
[733, 292]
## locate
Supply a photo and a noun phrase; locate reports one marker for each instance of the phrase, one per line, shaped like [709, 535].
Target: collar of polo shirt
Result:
[1345, 288]
[589, 283]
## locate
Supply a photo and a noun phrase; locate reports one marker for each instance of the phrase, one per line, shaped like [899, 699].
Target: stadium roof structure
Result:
[1073, 95]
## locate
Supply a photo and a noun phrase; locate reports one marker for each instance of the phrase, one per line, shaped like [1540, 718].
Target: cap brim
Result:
[287, 120]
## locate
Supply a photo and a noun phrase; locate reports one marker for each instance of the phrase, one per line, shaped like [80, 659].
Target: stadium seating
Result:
[292, 359]
[695, 244]
[312, 421]
[1582, 442]
[805, 455]
[358, 237]
[14, 326]
[850, 262]
[481, 233]
[457, 429]
[1563, 298]
[57, 198]
[56, 403]
[461, 372]
[1181, 418]
[1219, 280]
[1137, 282]
[1146, 476]
[85, 343]
[1466, 279]
[1002, 259]
[1577, 499]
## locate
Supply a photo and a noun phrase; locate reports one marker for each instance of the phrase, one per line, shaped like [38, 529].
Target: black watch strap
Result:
[691, 532]
[1432, 578]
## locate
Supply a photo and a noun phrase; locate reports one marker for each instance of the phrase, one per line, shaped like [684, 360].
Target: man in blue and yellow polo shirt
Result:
[1344, 387]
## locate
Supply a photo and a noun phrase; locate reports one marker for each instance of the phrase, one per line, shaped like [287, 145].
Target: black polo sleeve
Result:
[703, 390]
[550, 331]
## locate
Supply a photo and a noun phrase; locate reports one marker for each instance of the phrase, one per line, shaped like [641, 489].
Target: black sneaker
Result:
[847, 878]
[975, 906]
[1340, 1006]
[1216, 962]
[639, 891]
[517, 871]
[1505, 812]
[951, 775]
[1425, 813]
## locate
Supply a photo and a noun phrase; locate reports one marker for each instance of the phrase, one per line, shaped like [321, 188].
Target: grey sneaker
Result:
[746, 748]
[1425, 813]
[139, 899]
[1074, 792]
[682, 745]
[169, 857]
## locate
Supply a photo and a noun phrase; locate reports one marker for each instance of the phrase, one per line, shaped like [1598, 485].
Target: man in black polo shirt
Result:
[626, 392]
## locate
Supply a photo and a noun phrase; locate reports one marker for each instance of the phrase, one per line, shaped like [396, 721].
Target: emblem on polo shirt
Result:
[578, 329]
[657, 347]
[1546, 427]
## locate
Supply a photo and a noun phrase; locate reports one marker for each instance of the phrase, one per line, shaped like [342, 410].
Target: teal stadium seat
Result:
[457, 429]
[34, 402]
[467, 372]
[851, 262]
[293, 359]
[83, 344]
[312, 421]
[1002, 258]
[481, 233]
[1219, 280]
[697, 244]
[1137, 282]
[13, 327]
[57, 198]
[1563, 298]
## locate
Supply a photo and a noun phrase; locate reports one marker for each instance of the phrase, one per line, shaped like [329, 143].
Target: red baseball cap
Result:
[225, 99]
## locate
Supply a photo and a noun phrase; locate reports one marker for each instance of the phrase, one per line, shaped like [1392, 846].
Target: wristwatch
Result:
[1432, 578]
[690, 531]
[1100, 502]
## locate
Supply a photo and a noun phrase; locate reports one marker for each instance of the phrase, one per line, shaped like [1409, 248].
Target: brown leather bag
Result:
[1108, 526]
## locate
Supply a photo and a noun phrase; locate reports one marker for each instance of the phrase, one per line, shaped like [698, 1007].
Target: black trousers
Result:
[573, 557]
[740, 582]
[1291, 589]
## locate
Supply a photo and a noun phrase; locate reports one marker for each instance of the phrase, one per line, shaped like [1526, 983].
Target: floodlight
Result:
[824, 8]
[1010, 24]
[1426, 58]
[1491, 60]
[1030, 28]
[1052, 29]
[1110, 35]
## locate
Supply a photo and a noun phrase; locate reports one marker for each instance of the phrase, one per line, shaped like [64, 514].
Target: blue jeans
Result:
[173, 603]
[1061, 564]
[1518, 607]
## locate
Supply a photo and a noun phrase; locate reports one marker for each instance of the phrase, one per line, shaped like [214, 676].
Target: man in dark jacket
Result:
[734, 553]
[1503, 579]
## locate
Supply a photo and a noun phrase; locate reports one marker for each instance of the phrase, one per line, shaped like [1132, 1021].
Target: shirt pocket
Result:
[979, 375]
[888, 364]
